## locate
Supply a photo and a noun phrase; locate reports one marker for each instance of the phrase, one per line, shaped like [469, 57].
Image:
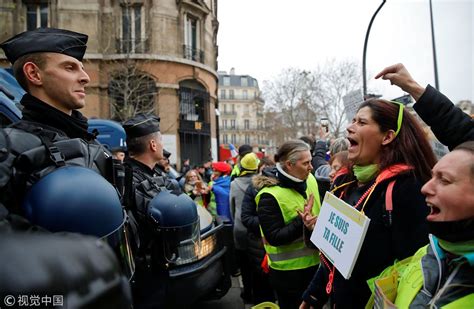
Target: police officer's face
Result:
[450, 192]
[302, 167]
[63, 82]
[158, 146]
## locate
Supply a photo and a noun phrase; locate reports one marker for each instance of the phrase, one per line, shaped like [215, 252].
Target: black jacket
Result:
[271, 220]
[449, 124]
[390, 236]
[255, 249]
[319, 154]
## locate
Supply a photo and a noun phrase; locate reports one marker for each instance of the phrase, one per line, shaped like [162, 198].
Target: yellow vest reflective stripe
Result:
[294, 255]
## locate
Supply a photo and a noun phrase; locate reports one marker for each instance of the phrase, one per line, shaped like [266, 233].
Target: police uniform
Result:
[46, 138]
[171, 183]
[142, 184]
[54, 167]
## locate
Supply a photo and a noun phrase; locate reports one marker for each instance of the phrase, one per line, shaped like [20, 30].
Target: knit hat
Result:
[221, 167]
[244, 149]
[249, 162]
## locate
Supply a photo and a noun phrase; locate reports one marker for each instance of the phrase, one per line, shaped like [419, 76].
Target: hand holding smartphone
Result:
[325, 124]
[199, 185]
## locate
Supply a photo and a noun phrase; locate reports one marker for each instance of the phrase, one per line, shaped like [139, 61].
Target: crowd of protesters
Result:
[421, 211]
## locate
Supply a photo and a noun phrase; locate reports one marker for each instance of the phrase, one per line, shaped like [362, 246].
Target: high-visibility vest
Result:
[295, 255]
[235, 171]
[411, 282]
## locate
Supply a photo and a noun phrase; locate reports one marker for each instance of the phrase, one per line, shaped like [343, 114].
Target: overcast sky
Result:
[261, 37]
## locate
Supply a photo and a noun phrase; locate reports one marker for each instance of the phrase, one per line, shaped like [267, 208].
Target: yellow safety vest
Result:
[235, 171]
[295, 255]
[411, 281]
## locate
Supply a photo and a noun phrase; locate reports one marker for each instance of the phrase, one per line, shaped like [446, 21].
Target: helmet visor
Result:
[119, 240]
[181, 245]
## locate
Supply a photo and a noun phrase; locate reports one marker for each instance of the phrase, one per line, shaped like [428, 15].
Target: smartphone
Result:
[325, 124]
[199, 185]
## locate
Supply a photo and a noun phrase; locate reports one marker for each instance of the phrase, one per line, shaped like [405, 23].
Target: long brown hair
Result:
[411, 145]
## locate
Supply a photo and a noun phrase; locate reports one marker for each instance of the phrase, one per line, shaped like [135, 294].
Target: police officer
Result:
[52, 173]
[47, 63]
[143, 183]
[90, 268]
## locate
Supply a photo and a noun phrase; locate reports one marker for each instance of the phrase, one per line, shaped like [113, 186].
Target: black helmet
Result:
[176, 219]
[77, 199]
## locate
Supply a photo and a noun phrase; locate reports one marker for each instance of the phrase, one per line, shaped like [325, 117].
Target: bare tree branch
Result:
[296, 99]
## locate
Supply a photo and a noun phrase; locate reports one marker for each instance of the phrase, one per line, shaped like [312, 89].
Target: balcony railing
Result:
[229, 113]
[242, 128]
[135, 46]
[193, 54]
[240, 141]
[239, 97]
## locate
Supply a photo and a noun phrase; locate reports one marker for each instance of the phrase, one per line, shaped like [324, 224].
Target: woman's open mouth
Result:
[434, 212]
[352, 143]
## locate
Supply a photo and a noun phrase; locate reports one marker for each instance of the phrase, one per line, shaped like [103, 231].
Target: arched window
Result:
[193, 101]
[131, 93]
[194, 124]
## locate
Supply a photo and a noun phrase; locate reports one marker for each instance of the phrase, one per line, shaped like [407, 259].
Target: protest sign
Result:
[339, 233]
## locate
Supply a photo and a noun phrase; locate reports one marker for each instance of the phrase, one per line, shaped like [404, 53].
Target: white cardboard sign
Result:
[339, 233]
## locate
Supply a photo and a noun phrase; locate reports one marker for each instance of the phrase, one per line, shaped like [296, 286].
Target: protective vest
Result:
[35, 152]
[235, 171]
[140, 189]
[295, 255]
[410, 283]
[212, 206]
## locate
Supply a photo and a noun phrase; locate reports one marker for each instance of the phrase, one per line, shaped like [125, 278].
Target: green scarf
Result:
[458, 248]
[365, 173]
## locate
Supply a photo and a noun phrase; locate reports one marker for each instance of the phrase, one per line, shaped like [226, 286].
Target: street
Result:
[231, 300]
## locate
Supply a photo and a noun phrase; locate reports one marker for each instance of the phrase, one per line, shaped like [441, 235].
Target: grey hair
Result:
[290, 150]
[338, 145]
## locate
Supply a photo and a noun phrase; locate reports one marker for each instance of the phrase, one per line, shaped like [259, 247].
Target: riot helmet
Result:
[79, 200]
[175, 219]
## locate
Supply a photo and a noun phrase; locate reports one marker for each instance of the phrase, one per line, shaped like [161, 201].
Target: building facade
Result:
[241, 118]
[155, 56]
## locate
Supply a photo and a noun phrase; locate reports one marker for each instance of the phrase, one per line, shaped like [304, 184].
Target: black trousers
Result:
[290, 285]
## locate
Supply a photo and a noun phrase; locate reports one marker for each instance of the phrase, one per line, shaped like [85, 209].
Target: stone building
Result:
[241, 118]
[143, 55]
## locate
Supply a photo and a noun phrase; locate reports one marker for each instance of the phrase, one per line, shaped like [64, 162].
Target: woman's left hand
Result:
[308, 219]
